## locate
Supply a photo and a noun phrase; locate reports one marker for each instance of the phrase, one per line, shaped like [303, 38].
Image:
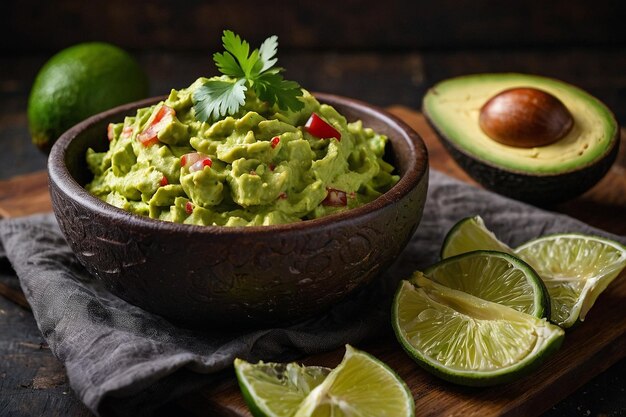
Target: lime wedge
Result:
[576, 269]
[466, 339]
[276, 389]
[494, 276]
[360, 386]
[468, 235]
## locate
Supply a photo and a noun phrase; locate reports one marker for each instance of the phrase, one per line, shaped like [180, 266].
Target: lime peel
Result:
[78, 82]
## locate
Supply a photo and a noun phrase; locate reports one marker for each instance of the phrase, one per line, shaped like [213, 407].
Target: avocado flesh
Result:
[453, 108]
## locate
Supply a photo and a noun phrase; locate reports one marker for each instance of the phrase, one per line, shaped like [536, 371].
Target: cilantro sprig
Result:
[218, 98]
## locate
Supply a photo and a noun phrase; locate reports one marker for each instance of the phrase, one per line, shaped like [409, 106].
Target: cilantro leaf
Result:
[239, 49]
[227, 65]
[267, 51]
[217, 98]
[271, 87]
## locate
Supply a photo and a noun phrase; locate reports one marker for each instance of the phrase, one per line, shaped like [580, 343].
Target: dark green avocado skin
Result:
[540, 190]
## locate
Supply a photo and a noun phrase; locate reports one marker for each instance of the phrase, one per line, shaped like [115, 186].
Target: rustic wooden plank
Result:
[25, 194]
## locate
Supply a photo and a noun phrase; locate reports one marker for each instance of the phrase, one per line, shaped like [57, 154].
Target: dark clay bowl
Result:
[212, 276]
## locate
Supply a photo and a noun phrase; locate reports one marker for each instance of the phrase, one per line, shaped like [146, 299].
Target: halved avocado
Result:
[539, 175]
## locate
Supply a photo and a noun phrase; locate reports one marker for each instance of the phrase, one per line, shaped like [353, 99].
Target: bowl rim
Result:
[59, 176]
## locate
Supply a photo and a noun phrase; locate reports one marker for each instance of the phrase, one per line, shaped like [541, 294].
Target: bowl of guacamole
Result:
[259, 218]
[260, 166]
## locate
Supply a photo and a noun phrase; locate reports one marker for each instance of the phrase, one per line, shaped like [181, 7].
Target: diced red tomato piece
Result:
[189, 207]
[111, 131]
[272, 167]
[148, 141]
[282, 195]
[163, 116]
[274, 142]
[162, 112]
[164, 181]
[183, 159]
[318, 127]
[335, 198]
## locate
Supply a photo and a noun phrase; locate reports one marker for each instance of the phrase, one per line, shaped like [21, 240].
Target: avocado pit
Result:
[525, 117]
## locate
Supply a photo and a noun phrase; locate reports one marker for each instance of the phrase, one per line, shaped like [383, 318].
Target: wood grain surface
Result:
[587, 351]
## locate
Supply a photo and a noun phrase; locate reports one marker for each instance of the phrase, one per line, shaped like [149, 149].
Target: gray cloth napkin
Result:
[122, 360]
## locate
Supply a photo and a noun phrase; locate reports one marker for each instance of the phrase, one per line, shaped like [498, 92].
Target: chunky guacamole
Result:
[261, 166]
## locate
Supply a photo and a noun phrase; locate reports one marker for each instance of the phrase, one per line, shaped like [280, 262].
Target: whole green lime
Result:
[78, 82]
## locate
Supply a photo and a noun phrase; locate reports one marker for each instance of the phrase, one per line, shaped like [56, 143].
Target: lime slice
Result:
[468, 235]
[360, 386]
[468, 340]
[576, 269]
[276, 389]
[494, 276]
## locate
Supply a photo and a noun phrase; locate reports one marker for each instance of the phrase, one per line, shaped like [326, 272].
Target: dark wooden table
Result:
[32, 381]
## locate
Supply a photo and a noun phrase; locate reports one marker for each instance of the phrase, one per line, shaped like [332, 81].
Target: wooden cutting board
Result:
[588, 349]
